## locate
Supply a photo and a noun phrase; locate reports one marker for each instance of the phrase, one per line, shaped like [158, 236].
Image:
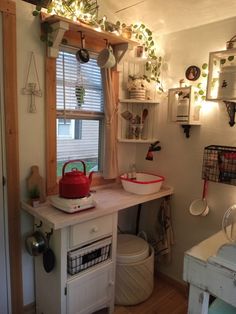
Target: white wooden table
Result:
[210, 274]
[92, 289]
[109, 199]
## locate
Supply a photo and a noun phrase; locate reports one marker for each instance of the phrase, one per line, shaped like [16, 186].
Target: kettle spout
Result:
[90, 176]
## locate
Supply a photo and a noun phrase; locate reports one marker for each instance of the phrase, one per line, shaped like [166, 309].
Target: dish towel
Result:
[164, 232]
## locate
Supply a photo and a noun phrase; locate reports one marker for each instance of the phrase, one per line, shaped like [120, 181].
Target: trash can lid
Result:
[131, 249]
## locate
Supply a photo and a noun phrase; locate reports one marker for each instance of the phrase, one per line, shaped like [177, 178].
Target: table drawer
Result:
[90, 230]
[222, 282]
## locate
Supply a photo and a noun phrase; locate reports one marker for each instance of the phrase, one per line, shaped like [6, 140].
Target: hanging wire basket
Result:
[219, 164]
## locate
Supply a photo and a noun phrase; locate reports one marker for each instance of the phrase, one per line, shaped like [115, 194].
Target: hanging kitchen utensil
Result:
[199, 207]
[36, 243]
[144, 115]
[82, 55]
[106, 58]
[127, 115]
[48, 256]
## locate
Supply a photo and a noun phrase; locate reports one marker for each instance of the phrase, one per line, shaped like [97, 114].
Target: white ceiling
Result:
[167, 16]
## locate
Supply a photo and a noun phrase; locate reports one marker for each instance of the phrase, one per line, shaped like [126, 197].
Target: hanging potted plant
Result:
[34, 196]
[79, 94]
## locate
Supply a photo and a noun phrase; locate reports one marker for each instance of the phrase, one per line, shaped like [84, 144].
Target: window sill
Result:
[97, 180]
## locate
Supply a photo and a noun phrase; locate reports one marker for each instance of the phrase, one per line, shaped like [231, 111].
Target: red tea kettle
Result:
[74, 184]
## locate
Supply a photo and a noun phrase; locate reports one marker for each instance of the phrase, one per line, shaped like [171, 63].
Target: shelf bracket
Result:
[186, 128]
[120, 50]
[231, 109]
[59, 29]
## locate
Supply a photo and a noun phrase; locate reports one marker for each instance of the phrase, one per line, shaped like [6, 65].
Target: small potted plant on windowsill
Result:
[34, 196]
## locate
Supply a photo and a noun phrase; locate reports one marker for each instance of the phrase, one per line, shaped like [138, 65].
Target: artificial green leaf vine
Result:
[153, 64]
[88, 9]
[200, 94]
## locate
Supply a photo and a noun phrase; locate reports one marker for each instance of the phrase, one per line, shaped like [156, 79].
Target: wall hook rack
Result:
[39, 225]
[186, 128]
[48, 234]
[231, 109]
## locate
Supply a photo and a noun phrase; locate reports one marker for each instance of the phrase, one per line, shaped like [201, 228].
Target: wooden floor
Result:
[165, 299]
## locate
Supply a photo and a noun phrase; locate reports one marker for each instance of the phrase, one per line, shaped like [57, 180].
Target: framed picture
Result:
[192, 73]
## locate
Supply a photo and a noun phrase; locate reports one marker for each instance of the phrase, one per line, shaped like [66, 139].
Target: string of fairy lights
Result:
[85, 10]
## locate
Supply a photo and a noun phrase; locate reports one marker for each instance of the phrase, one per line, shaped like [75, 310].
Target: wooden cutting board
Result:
[35, 181]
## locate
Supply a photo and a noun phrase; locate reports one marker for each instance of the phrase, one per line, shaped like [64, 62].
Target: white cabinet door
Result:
[91, 291]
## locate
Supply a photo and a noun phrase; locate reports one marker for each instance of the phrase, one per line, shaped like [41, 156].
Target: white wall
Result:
[180, 159]
[31, 125]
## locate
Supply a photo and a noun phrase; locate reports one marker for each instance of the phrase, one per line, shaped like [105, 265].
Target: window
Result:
[64, 128]
[79, 109]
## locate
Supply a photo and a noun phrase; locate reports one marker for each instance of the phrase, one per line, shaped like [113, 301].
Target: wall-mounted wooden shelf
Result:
[148, 141]
[142, 131]
[183, 109]
[88, 30]
[219, 63]
[62, 26]
[221, 80]
[138, 101]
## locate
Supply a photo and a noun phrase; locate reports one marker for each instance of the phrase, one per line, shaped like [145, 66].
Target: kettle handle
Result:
[68, 162]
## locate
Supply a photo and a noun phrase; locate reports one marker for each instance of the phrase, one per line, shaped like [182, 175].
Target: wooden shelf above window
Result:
[92, 35]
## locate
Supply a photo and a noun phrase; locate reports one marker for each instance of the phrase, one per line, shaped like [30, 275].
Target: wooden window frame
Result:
[8, 10]
[96, 45]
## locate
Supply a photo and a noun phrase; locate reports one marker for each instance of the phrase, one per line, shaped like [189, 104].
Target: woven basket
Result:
[134, 281]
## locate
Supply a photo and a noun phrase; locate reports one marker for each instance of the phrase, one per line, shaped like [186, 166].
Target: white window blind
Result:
[85, 117]
[71, 73]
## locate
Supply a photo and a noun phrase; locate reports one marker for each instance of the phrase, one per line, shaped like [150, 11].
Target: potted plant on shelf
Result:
[143, 34]
[137, 87]
[34, 196]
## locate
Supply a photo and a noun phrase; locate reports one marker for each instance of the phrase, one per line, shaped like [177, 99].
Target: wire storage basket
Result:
[219, 164]
[88, 256]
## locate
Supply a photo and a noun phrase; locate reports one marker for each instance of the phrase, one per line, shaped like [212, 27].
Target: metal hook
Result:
[82, 37]
[48, 234]
[40, 224]
[107, 43]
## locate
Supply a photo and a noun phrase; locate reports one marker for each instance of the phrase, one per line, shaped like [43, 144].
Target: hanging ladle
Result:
[82, 55]
[199, 207]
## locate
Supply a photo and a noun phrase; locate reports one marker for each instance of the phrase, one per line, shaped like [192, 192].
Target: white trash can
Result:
[134, 270]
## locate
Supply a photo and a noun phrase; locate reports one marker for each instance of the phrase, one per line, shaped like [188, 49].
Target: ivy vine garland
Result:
[88, 11]
[153, 64]
[200, 94]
